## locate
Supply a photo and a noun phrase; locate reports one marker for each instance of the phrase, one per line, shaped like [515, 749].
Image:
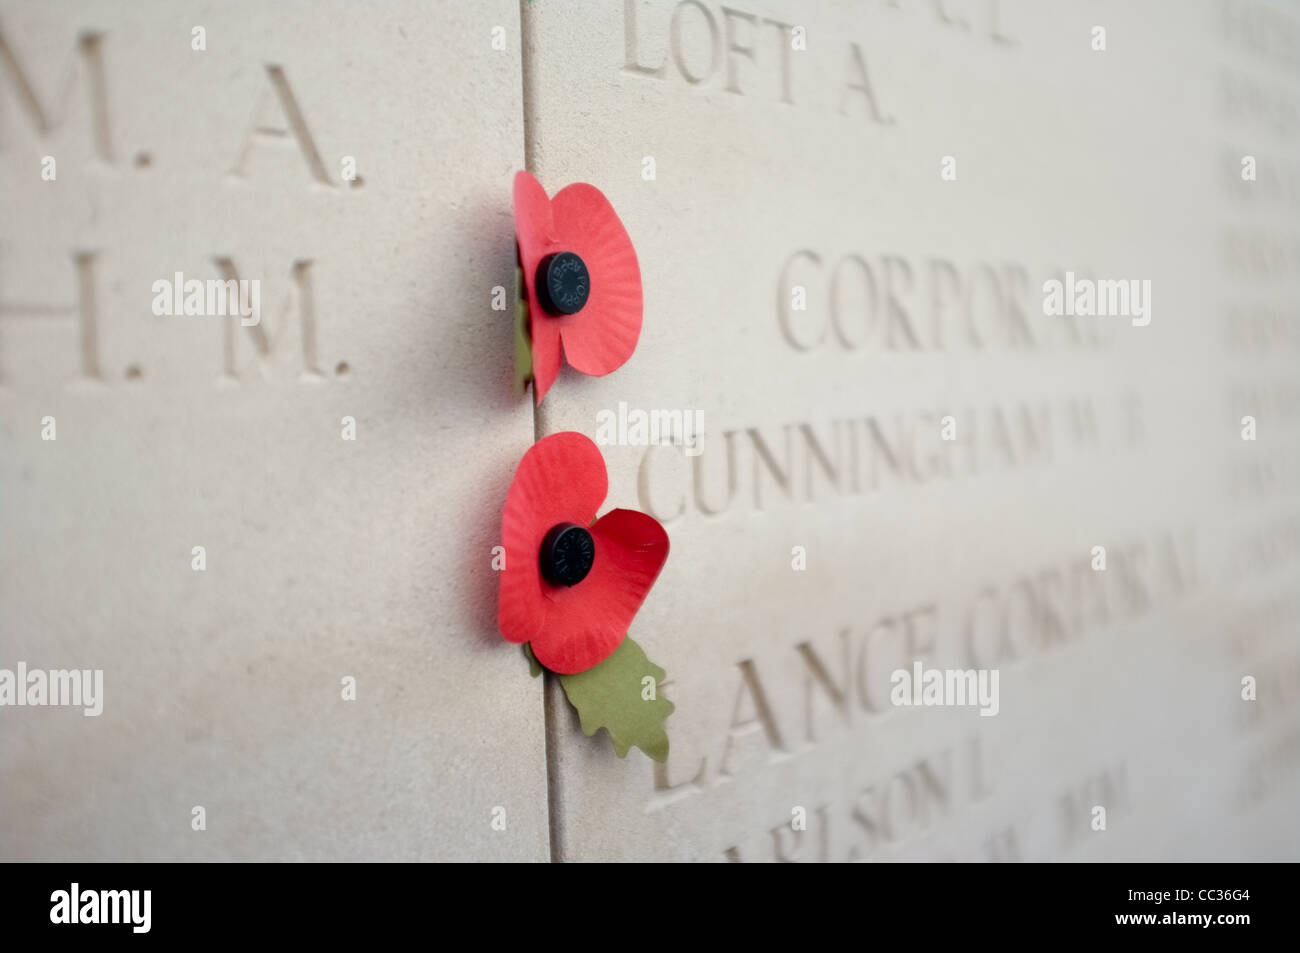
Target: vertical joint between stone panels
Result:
[527, 78]
[551, 688]
[552, 711]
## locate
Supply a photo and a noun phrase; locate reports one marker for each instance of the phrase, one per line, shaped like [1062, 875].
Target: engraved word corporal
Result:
[1104, 298]
[641, 428]
[949, 687]
[212, 298]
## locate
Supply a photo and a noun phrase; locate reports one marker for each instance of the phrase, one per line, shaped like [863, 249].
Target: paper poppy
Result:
[582, 280]
[571, 586]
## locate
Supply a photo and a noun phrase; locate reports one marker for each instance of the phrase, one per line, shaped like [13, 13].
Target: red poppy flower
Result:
[582, 277]
[570, 587]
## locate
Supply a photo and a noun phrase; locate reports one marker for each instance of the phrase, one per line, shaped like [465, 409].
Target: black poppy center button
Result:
[567, 554]
[563, 283]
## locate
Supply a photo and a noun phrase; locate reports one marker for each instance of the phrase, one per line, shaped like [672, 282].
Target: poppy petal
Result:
[590, 619]
[535, 233]
[534, 223]
[545, 333]
[602, 336]
[560, 479]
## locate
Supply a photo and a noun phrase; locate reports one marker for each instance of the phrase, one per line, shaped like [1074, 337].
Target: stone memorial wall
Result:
[972, 326]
